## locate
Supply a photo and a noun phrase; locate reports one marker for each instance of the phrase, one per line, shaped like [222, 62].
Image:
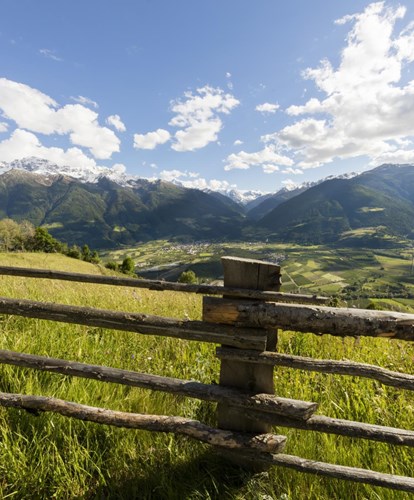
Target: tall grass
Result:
[49, 456]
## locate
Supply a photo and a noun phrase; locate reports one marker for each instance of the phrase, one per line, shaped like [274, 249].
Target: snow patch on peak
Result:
[240, 196]
[44, 167]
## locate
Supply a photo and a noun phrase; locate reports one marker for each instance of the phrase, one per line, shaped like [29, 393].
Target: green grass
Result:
[49, 456]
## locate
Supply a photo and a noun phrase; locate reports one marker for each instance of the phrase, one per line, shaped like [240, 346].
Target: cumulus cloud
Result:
[292, 171]
[36, 112]
[152, 139]
[22, 144]
[119, 168]
[197, 117]
[268, 158]
[365, 103]
[365, 109]
[237, 142]
[116, 122]
[192, 180]
[267, 107]
[289, 184]
[85, 101]
[4, 127]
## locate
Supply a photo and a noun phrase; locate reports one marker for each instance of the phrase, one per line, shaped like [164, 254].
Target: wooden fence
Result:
[245, 322]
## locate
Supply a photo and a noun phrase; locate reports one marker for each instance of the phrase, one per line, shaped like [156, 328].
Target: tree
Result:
[188, 277]
[9, 234]
[74, 252]
[95, 257]
[42, 241]
[128, 266]
[86, 253]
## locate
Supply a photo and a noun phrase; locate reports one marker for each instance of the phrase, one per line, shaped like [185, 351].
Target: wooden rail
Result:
[163, 285]
[386, 377]
[139, 323]
[258, 402]
[245, 323]
[340, 322]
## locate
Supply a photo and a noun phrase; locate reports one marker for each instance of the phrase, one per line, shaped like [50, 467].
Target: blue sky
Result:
[256, 95]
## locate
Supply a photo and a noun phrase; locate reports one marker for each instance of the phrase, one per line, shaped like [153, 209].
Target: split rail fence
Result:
[244, 321]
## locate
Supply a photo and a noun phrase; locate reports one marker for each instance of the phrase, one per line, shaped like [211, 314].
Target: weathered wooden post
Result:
[250, 377]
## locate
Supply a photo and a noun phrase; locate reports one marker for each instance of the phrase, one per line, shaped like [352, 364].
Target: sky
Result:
[215, 94]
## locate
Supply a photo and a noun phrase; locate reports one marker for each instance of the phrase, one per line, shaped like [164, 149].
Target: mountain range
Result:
[108, 208]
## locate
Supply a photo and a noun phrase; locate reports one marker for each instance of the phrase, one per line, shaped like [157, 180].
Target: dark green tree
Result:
[86, 253]
[128, 266]
[74, 252]
[95, 257]
[42, 241]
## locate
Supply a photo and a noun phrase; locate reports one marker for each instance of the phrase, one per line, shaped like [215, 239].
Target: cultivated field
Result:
[357, 276]
[48, 456]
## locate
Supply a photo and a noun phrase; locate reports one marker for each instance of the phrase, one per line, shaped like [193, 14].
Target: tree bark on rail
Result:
[249, 338]
[386, 377]
[163, 285]
[314, 319]
[155, 423]
[320, 423]
[260, 402]
[401, 483]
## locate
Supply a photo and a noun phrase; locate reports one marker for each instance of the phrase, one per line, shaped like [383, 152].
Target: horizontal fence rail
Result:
[155, 423]
[310, 319]
[293, 408]
[340, 427]
[134, 322]
[386, 377]
[356, 474]
[267, 445]
[163, 285]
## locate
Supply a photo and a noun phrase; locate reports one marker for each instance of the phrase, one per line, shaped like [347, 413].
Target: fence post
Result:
[252, 377]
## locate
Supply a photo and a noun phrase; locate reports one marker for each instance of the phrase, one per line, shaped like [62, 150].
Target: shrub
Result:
[188, 277]
[128, 266]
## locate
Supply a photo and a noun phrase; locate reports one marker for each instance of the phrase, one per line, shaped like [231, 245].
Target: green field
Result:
[48, 456]
[355, 275]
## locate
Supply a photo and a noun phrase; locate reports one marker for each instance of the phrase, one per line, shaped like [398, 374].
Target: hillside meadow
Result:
[48, 456]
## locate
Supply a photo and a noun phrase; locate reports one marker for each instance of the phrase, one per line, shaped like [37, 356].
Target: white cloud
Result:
[267, 107]
[116, 122]
[197, 117]
[197, 136]
[85, 101]
[365, 110]
[292, 171]
[50, 54]
[192, 180]
[237, 142]
[172, 175]
[22, 144]
[289, 184]
[152, 139]
[4, 127]
[119, 168]
[32, 110]
[268, 158]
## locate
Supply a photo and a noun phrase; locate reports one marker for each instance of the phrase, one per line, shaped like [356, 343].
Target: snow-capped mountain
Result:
[46, 168]
[241, 197]
[118, 175]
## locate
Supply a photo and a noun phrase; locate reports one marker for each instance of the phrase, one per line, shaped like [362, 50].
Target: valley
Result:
[382, 278]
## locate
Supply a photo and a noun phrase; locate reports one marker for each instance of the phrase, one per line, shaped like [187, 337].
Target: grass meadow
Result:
[49, 456]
